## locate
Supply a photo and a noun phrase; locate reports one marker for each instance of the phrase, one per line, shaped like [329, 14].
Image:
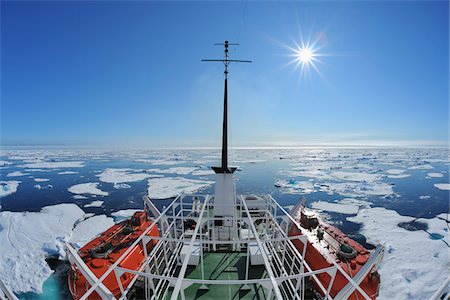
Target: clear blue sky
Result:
[129, 73]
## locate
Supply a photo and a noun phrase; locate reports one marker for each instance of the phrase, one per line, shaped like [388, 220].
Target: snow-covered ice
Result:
[41, 179]
[167, 187]
[67, 173]
[123, 214]
[17, 174]
[175, 170]
[79, 197]
[349, 209]
[203, 172]
[96, 203]
[87, 229]
[8, 187]
[414, 265]
[87, 188]
[443, 186]
[122, 175]
[121, 186]
[54, 164]
[294, 186]
[356, 176]
[28, 238]
[435, 175]
[395, 171]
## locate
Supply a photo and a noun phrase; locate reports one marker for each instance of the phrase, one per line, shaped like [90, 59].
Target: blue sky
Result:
[129, 73]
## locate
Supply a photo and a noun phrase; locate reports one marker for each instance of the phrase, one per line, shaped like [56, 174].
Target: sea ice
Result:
[96, 203]
[355, 176]
[294, 186]
[204, 172]
[121, 186]
[422, 167]
[88, 228]
[357, 189]
[435, 175]
[54, 164]
[424, 197]
[4, 163]
[28, 238]
[67, 173]
[443, 186]
[395, 171]
[349, 209]
[414, 265]
[87, 188]
[41, 179]
[122, 175]
[398, 176]
[123, 214]
[168, 187]
[78, 197]
[175, 170]
[17, 174]
[8, 187]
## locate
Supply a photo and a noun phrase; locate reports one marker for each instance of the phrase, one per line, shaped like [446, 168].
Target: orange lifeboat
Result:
[105, 250]
[324, 238]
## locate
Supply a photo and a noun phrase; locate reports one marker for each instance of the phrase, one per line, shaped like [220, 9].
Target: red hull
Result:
[333, 238]
[103, 251]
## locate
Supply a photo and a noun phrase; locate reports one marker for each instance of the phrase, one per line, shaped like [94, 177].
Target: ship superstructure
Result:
[222, 246]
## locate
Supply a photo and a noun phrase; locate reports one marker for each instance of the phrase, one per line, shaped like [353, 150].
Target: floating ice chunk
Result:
[413, 262]
[43, 187]
[123, 214]
[174, 170]
[422, 167]
[121, 186]
[54, 164]
[17, 174]
[78, 197]
[8, 187]
[41, 179]
[348, 209]
[203, 172]
[435, 175]
[355, 176]
[164, 162]
[424, 197]
[122, 175]
[163, 188]
[28, 238]
[67, 173]
[96, 203]
[87, 229]
[87, 188]
[398, 176]
[443, 186]
[395, 171]
[4, 163]
[354, 189]
[294, 186]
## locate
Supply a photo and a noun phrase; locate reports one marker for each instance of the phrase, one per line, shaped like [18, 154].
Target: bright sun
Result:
[305, 55]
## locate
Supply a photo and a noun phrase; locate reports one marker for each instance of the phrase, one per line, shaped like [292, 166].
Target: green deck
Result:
[225, 266]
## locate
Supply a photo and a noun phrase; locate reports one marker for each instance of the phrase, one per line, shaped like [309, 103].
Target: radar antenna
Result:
[224, 168]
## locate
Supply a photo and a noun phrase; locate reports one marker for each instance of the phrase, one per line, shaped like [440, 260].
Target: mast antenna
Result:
[224, 167]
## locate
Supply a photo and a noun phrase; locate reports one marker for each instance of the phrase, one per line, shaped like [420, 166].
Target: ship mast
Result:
[224, 167]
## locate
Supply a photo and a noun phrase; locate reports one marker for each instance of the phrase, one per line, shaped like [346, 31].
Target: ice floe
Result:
[121, 186]
[414, 265]
[4, 163]
[422, 167]
[395, 171]
[426, 197]
[443, 186]
[67, 173]
[96, 203]
[87, 229]
[8, 187]
[343, 206]
[79, 197]
[54, 164]
[17, 174]
[28, 238]
[41, 179]
[168, 187]
[43, 187]
[175, 170]
[123, 214]
[87, 188]
[435, 175]
[204, 172]
[122, 175]
[294, 186]
[357, 189]
[356, 176]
